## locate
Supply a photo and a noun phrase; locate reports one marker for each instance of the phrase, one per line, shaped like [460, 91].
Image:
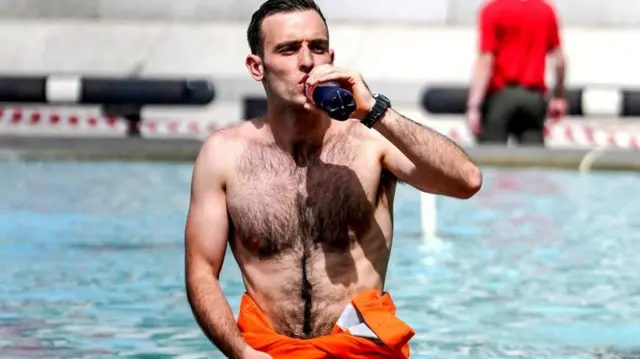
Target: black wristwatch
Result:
[379, 108]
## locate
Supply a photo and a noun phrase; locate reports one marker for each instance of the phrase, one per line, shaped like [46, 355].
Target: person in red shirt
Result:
[508, 93]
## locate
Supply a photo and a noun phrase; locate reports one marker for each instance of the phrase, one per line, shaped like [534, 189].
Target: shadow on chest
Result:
[282, 204]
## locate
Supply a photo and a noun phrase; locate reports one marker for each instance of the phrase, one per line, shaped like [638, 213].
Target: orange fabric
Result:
[377, 311]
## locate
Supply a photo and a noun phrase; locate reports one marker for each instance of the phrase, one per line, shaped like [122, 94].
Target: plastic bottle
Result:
[330, 97]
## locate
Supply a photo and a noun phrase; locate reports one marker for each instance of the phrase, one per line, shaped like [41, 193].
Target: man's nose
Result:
[305, 61]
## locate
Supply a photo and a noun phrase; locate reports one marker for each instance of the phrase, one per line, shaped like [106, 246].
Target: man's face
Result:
[294, 43]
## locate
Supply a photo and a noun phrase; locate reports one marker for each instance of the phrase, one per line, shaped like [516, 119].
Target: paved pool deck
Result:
[43, 148]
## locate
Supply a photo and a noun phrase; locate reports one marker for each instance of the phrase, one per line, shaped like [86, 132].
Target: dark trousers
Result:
[516, 111]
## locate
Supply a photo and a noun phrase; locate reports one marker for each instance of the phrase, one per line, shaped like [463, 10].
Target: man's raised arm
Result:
[205, 245]
[426, 159]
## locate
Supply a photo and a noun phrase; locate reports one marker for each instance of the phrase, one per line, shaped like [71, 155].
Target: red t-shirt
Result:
[519, 34]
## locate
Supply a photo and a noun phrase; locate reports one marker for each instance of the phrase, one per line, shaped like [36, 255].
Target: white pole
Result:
[428, 214]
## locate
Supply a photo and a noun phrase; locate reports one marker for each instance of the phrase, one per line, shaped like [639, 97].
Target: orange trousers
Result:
[368, 316]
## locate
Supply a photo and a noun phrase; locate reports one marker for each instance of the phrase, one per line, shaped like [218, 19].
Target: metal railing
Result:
[116, 96]
[588, 101]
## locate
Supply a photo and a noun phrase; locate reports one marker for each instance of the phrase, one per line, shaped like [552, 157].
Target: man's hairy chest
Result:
[278, 202]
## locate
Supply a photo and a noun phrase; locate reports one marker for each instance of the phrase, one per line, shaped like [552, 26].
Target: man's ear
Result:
[255, 66]
[333, 55]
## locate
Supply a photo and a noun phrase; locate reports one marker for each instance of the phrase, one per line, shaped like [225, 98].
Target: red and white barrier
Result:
[572, 134]
[568, 134]
[34, 120]
[15, 120]
[563, 134]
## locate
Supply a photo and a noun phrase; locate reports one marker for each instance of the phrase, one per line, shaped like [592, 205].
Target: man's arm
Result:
[558, 105]
[479, 81]
[556, 52]
[205, 245]
[414, 153]
[484, 62]
[560, 61]
[426, 159]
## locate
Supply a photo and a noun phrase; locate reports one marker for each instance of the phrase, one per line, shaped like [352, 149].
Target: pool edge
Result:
[56, 148]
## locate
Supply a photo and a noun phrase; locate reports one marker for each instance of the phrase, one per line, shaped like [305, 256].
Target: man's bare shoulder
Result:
[222, 147]
[229, 137]
[218, 147]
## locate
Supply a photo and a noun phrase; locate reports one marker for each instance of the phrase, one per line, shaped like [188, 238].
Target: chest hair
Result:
[294, 202]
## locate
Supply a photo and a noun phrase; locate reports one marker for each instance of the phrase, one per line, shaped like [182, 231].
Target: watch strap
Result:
[379, 108]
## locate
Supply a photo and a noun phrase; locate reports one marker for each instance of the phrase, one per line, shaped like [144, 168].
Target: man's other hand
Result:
[473, 120]
[558, 108]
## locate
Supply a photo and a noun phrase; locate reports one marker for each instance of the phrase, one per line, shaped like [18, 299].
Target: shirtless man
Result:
[304, 201]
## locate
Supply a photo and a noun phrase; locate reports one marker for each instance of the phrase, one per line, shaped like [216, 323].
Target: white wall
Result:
[397, 60]
[435, 12]
[385, 53]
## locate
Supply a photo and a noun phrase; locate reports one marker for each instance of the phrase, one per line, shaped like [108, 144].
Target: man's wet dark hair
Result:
[272, 7]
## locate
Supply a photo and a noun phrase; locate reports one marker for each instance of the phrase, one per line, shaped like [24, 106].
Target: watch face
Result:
[383, 98]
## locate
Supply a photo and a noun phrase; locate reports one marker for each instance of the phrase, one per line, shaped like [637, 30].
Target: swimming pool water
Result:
[539, 264]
